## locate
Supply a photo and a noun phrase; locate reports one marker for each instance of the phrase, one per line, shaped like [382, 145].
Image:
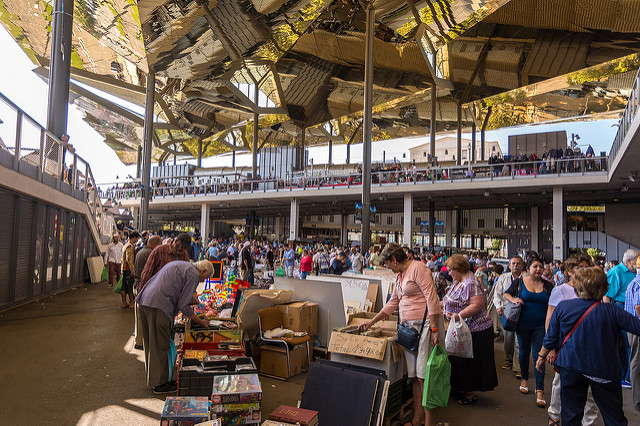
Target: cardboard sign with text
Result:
[356, 345]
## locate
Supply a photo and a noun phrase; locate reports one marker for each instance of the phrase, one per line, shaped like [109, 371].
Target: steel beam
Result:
[60, 67]
[367, 130]
[146, 150]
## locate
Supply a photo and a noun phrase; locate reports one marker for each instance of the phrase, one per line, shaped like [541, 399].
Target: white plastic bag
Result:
[458, 340]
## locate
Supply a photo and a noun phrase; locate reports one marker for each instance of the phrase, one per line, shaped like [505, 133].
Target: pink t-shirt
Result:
[413, 292]
[305, 263]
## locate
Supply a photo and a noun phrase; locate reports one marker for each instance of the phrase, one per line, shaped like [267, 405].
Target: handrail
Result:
[194, 185]
[626, 120]
[50, 157]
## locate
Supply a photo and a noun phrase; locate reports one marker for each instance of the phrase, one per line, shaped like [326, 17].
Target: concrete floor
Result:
[69, 359]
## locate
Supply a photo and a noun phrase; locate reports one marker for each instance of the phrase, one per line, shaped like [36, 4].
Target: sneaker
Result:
[506, 366]
[166, 388]
[626, 384]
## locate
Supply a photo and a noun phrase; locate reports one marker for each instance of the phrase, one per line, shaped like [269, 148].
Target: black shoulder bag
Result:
[409, 337]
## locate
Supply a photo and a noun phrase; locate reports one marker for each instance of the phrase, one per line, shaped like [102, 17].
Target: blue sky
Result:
[29, 92]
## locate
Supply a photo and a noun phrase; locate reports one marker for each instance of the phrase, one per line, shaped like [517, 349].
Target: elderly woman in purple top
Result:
[466, 300]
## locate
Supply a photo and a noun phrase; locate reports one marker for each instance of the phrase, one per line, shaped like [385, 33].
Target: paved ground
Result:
[69, 359]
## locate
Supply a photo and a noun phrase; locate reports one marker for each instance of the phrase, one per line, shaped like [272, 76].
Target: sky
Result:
[29, 92]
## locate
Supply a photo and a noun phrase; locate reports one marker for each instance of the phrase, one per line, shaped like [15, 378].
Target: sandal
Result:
[124, 306]
[467, 401]
[553, 422]
[540, 402]
[524, 389]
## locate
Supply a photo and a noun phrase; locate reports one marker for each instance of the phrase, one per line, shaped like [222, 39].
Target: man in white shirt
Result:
[113, 259]
[502, 284]
[357, 261]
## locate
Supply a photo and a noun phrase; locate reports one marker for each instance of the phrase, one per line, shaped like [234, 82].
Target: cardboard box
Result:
[381, 353]
[184, 411]
[273, 360]
[300, 316]
[212, 335]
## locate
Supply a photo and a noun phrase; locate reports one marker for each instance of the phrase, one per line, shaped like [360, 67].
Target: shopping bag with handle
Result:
[437, 384]
[458, 340]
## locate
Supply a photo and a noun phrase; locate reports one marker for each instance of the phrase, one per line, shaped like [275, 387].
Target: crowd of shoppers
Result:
[431, 289]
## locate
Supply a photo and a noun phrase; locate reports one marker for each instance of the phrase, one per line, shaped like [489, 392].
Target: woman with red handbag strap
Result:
[588, 331]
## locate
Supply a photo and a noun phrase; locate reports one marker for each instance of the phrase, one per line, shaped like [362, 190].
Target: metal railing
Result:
[626, 120]
[39, 154]
[202, 185]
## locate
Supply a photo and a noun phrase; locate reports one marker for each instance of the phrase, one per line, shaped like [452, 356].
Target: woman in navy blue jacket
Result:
[588, 357]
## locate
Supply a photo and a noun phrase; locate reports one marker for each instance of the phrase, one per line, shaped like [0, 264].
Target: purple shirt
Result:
[171, 289]
[459, 298]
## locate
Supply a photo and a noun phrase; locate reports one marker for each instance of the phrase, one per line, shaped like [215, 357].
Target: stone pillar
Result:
[204, 222]
[448, 226]
[535, 230]
[294, 219]
[558, 224]
[408, 219]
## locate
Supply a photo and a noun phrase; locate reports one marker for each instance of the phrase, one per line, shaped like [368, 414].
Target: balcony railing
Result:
[39, 154]
[626, 120]
[202, 185]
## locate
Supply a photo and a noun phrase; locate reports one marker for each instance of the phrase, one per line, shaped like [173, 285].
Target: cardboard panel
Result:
[354, 344]
[328, 295]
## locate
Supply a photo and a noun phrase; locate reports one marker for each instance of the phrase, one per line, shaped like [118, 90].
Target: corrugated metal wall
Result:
[43, 249]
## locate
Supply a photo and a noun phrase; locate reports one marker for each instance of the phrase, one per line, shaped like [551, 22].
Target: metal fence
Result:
[37, 153]
[626, 120]
[194, 185]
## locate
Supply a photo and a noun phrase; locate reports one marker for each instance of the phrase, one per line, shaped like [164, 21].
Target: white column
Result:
[278, 226]
[204, 222]
[294, 219]
[558, 224]
[408, 219]
[448, 224]
[135, 212]
[344, 231]
[535, 230]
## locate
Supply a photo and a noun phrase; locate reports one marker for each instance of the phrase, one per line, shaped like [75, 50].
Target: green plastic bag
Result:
[105, 274]
[280, 272]
[118, 287]
[437, 380]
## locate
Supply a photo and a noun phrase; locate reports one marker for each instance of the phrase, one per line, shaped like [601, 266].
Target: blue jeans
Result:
[304, 275]
[530, 341]
[573, 393]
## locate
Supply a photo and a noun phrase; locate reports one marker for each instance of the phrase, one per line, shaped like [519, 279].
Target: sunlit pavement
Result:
[69, 359]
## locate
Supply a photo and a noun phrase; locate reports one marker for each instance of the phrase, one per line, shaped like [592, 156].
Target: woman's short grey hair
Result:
[205, 265]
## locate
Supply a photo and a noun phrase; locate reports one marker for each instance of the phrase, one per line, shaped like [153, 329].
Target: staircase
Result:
[611, 246]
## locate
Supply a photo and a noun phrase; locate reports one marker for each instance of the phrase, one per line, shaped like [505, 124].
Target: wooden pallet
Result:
[399, 415]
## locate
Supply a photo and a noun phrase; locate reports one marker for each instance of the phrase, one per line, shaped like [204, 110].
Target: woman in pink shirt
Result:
[413, 294]
[306, 263]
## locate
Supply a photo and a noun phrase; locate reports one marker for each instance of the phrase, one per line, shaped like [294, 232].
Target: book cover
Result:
[239, 418]
[230, 408]
[295, 415]
[236, 388]
[184, 410]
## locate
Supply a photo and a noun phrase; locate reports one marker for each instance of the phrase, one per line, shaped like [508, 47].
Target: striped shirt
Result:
[632, 296]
